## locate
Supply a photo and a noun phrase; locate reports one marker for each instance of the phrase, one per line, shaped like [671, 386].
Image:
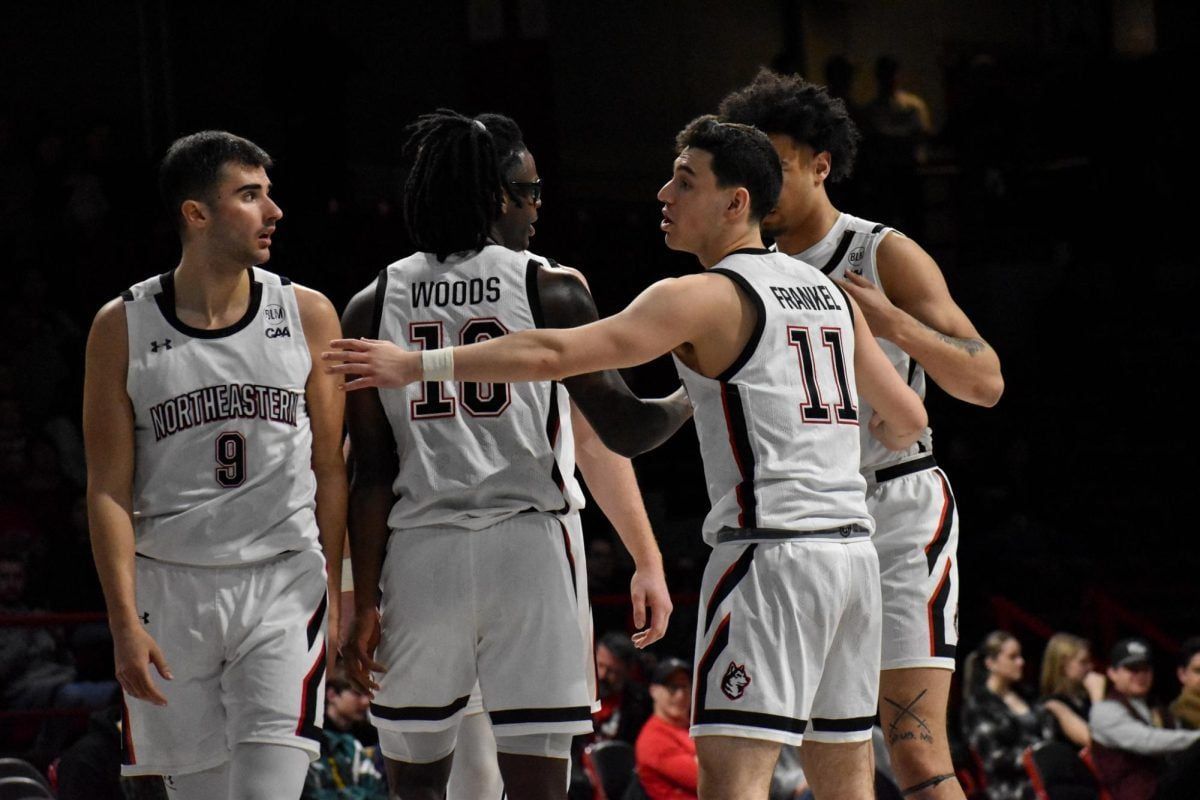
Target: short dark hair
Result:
[620, 645]
[741, 156]
[452, 193]
[192, 166]
[1188, 651]
[506, 138]
[790, 105]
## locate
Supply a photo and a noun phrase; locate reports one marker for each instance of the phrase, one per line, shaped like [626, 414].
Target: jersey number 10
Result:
[479, 399]
[814, 408]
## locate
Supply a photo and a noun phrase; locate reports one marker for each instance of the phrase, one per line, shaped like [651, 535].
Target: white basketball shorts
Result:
[497, 606]
[787, 646]
[916, 536]
[247, 648]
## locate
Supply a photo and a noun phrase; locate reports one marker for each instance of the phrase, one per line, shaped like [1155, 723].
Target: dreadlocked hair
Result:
[452, 192]
[790, 105]
[508, 139]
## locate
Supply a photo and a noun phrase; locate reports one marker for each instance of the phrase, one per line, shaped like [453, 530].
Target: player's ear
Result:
[822, 164]
[505, 202]
[739, 202]
[195, 214]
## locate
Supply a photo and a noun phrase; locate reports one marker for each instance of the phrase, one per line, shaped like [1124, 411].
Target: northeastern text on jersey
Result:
[227, 401]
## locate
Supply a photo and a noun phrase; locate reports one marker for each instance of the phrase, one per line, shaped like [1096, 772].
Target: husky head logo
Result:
[735, 681]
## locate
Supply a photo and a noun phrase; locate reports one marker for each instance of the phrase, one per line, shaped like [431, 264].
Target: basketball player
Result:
[610, 477]
[771, 355]
[217, 491]
[904, 297]
[457, 491]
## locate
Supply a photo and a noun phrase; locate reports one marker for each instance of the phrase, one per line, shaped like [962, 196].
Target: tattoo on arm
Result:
[971, 346]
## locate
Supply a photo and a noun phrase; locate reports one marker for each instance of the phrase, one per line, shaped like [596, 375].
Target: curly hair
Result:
[507, 137]
[790, 105]
[453, 190]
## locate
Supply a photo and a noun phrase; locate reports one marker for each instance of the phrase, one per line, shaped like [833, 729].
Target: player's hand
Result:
[359, 653]
[879, 312]
[371, 362]
[134, 651]
[649, 588]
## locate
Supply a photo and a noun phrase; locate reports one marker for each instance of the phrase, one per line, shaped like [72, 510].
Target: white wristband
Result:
[437, 365]
[347, 576]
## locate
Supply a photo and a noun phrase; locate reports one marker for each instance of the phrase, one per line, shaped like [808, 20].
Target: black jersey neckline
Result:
[166, 305]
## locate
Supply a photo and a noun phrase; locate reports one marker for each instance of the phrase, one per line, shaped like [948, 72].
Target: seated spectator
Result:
[1131, 745]
[1069, 687]
[665, 753]
[1186, 707]
[346, 770]
[31, 668]
[90, 769]
[998, 722]
[624, 703]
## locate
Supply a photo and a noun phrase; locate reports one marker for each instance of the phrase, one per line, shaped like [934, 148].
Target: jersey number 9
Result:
[231, 459]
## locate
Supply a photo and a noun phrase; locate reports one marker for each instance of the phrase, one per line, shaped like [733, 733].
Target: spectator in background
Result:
[998, 722]
[665, 753]
[31, 671]
[896, 125]
[1070, 687]
[346, 768]
[1130, 741]
[1186, 707]
[624, 703]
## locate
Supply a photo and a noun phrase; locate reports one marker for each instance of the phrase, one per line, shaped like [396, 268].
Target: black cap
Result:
[668, 667]
[1128, 652]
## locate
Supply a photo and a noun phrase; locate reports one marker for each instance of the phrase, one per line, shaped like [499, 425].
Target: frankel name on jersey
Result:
[227, 401]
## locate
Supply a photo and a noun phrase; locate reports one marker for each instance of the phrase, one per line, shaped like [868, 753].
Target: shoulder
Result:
[898, 251]
[1106, 712]
[314, 306]
[110, 319]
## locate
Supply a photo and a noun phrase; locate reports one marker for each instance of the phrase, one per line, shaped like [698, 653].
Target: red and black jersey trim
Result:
[127, 296]
[553, 423]
[380, 297]
[532, 295]
[938, 646]
[840, 253]
[716, 646]
[570, 558]
[166, 306]
[941, 535]
[728, 582]
[759, 325]
[743, 453]
[310, 697]
[847, 725]
[879, 226]
[517, 716]
[429, 713]
[128, 754]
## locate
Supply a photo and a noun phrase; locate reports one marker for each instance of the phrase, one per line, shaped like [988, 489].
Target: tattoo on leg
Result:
[895, 734]
[929, 784]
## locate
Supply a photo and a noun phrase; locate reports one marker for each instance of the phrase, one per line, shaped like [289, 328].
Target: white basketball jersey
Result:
[223, 460]
[471, 454]
[778, 429]
[850, 245]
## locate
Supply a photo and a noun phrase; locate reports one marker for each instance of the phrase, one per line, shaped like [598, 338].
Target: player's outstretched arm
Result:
[920, 316]
[627, 424]
[666, 315]
[108, 439]
[373, 466]
[899, 413]
[613, 484]
[326, 405]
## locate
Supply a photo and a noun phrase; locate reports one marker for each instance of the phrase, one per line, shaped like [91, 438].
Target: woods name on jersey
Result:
[455, 293]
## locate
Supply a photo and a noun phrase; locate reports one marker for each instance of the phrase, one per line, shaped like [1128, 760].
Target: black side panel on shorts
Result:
[307, 726]
[314, 622]
[570, 558]
[728, 583]
[420, 712]
[938, 648]
[940, 537]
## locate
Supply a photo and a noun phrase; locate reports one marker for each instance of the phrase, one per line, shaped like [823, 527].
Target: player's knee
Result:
[540, 745]
[915, 762]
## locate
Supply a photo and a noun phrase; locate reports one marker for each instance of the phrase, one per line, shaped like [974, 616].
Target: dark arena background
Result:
[1052, 191]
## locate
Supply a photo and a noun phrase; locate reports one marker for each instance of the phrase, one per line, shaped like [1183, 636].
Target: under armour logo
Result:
[145, 617]
[155, 346]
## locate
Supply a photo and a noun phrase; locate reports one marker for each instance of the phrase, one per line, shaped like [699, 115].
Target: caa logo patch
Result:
[276, 333]
[735, 681]
[274, 314]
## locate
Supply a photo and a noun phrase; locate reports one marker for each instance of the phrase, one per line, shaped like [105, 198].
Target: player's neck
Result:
[750, 237]
[810, 229]
[210, 294]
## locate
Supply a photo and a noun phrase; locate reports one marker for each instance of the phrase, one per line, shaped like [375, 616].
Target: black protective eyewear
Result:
[531, 188]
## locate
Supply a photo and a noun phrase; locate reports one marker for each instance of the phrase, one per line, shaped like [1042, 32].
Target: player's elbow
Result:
[988, 392]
